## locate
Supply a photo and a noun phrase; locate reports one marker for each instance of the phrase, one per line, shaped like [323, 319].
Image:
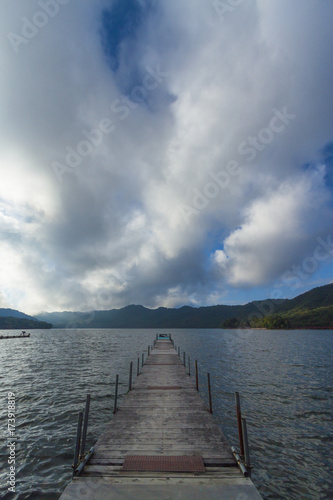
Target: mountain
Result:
[322, 296]
[309, 310]
[11, 319]
[14, 314]
[312, 309]
[136, 316]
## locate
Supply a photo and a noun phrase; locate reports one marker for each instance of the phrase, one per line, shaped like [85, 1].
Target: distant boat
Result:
[163, 336]
[22, 335]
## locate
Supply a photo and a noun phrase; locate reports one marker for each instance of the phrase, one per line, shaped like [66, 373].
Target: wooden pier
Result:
[163, 443]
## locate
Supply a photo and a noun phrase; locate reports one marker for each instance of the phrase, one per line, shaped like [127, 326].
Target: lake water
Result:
[285, 380]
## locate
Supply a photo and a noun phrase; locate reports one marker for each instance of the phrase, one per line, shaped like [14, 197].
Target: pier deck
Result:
[163, 443]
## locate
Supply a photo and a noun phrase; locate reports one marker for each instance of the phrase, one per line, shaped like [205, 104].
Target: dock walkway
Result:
[163, 443]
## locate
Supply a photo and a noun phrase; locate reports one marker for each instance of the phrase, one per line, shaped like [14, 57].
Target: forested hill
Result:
[313, 309]
[309, 310]
[11, 319]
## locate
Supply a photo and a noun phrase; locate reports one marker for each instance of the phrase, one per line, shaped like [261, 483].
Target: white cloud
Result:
[277, 230]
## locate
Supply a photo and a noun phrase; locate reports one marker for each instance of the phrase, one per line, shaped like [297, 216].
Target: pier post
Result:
[184, 359]
[148, 350]
[196, 376]
[239, 462]
[189, 365]
[143, 358]
[77, 444]
[85, 425]
[130, 376]
[138, 368]
[246, 447]
[209, 394]
[239, 424]
[178, 351]
[116, 394]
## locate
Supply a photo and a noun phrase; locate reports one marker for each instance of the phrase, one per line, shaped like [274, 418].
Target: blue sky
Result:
[164, 153]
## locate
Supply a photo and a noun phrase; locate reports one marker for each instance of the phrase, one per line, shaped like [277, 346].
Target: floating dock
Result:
[22, 335]
[163, 443]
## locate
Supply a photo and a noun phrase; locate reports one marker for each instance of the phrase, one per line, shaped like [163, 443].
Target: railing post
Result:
[77, 444]
[116, 395]
[196, 376]
[179, 351]
[184, 359]
[246, 446]
[130, 376]
[189, 365]
[239, 424]
[85, 425]
[143, 358]
[209, 394]
[138, 368]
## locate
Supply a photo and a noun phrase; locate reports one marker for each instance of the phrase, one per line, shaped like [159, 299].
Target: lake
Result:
[285, 380]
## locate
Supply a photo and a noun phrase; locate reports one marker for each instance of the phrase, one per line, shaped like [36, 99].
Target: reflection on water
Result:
[284, 378]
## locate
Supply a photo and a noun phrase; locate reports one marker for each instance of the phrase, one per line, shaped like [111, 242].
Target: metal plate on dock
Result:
[162, 364]
[150, 463]
[163, 387]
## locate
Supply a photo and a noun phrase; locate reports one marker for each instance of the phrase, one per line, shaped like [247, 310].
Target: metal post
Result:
[138, 368]
[196, 376]
[85, 461]
[189, 365]
[179, 351]
[184, 359]
[130, 376]
[246, 446]
[85, 425]
[239, 462]
[239, 424]
[143, 358]
[209, 394]
[116, 394]
[77, 444]
[148, 350]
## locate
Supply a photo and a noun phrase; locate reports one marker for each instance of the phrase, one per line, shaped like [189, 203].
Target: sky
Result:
[164, 153]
